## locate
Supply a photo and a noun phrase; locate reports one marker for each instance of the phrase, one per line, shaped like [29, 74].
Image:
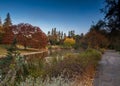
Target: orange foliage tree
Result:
[8, 35]
[96, 39]
[26, 35]
[39, 39]
[31, 36]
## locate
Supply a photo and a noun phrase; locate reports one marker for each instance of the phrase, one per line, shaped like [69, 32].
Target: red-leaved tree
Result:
[26, 35]
[30, 36]
[8, 36]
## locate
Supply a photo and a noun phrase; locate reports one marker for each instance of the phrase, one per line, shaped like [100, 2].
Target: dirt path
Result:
[109, 70]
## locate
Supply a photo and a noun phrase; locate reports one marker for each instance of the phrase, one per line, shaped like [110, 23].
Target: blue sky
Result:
[64, 15]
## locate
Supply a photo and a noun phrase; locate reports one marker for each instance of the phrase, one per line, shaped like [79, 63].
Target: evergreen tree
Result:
[62, 35]
[65, 35]
[48, 33]
[69, 34]
[7, 22]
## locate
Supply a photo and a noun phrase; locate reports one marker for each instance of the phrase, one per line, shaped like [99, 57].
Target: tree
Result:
[24, 34]
[55, 37]
[0, 22]
[8, 36]
[112, 19]
[31, 36]
[6, 31]
[65, 35]
[71, 34]
[95, 39]
[1, 31]
[78, 41]
[7, 22]
[39, 40]
[112, 11]
[99, 26]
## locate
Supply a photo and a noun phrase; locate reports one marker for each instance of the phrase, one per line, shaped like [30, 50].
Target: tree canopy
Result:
[112, 19]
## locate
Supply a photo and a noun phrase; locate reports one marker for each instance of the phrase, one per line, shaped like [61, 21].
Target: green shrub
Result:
[36, 67]
[90, 57]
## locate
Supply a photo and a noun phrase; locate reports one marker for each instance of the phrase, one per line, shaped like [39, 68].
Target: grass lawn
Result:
[3, 50]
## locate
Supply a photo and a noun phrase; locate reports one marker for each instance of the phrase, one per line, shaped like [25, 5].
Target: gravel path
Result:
[109, 70]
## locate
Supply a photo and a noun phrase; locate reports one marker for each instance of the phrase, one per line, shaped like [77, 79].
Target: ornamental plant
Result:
[69, 42]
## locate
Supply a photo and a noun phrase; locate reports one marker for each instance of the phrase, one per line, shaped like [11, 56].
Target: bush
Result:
[69, 42]
[67, 67]
[90, 57]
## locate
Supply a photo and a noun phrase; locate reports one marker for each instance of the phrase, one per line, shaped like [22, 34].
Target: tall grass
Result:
[59, 81]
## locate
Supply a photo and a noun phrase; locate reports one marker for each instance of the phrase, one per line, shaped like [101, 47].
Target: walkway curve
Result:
[109, 70]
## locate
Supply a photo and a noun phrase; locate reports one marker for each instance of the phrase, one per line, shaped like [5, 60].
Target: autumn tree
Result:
[31, 36]
[8, 36]
[24, 34]
[95, 39]
[39, 40]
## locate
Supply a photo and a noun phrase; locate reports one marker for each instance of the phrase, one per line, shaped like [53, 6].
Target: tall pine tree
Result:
[7, 22]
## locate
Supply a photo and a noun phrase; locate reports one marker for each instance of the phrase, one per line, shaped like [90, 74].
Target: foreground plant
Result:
[59, 81]
[13, 67]
[56, 71]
